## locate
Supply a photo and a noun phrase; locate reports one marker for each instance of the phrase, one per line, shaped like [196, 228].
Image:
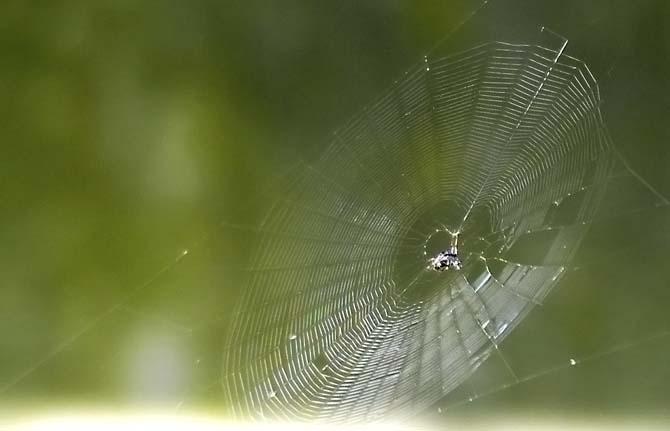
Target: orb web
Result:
[342, 320]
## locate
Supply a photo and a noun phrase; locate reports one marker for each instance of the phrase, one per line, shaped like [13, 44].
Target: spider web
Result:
[341, 319]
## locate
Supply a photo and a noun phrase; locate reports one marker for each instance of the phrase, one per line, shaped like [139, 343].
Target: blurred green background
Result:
[131, 129]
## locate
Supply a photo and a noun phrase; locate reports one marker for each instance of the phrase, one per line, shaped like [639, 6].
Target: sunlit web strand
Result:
[571, 362]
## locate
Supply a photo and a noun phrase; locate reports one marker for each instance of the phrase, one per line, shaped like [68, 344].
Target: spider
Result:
[447, 259]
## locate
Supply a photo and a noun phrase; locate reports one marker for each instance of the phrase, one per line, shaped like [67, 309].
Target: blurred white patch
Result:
[170, 422]
[157, 367]
[167, 422]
